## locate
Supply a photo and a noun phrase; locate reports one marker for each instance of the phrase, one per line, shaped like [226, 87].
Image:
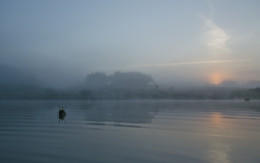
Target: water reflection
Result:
[129, 131]
[120, 112]
[216, 120]
[218, 150]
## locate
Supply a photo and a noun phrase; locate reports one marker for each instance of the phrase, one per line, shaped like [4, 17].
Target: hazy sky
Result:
[175, 41]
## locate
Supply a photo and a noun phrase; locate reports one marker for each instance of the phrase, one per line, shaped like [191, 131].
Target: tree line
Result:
[119, 85]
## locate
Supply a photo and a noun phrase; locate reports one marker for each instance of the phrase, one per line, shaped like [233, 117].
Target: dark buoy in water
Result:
[62, 114]
[247, 99]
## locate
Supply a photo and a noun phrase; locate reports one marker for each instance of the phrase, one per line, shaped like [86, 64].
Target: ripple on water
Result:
[130, 131]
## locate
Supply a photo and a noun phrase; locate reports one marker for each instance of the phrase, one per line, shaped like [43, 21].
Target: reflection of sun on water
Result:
[216, 118]
[219, 150]
[217, 121]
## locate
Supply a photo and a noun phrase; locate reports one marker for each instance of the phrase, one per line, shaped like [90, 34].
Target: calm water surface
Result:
[130, 131]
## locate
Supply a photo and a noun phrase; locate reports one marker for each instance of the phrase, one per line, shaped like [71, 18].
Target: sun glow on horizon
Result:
[216, 78]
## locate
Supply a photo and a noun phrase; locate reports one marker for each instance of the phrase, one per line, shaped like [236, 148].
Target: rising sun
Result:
[215, 78]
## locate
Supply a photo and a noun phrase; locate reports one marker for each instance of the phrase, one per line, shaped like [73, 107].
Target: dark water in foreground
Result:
[130, 131]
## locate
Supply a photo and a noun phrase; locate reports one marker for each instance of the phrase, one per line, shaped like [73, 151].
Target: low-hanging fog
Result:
[179, 43]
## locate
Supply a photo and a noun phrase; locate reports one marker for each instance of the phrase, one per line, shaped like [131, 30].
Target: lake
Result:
[138, 131]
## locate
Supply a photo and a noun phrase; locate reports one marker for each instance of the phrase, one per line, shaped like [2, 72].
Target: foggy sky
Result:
[180, 41]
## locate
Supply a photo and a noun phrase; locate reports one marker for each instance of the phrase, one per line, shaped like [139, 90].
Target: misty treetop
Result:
[119, 80]
[17, 84]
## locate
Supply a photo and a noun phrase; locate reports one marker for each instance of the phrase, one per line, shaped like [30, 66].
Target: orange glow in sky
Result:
[216, 78]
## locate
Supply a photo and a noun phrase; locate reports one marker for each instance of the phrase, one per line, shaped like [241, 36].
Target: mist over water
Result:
[130, 131]
[129, 81]
[180, 43]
